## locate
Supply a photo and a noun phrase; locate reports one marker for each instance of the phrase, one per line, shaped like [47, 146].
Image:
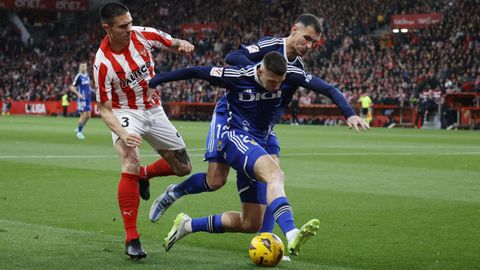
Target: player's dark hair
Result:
[310, 20]
[275, 62]
[111, 10]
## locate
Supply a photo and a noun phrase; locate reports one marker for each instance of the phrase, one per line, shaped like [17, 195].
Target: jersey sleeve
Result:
[103, 86]
[213, 75]
[253, 53]
[76, 81]
[155, 38]
[314, 83]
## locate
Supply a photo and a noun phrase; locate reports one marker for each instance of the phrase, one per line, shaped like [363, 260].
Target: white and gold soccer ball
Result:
[266, 249]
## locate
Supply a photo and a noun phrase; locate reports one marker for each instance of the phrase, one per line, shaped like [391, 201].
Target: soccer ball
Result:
[266, 249]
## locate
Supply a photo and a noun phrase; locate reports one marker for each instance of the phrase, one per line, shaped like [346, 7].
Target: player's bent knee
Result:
[277, 176]
[215, 185]
[183, 169]
[216, 181]
[251, 227]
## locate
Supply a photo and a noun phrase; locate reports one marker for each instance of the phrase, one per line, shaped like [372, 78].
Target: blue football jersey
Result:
[253, 54]
[251, 107]
[82, 82]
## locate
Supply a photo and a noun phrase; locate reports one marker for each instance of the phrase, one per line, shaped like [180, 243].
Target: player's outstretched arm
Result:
[318, 85]
[131, 140]
[205, 73]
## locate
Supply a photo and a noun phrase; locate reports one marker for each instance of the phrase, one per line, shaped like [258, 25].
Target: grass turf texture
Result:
[386, 199]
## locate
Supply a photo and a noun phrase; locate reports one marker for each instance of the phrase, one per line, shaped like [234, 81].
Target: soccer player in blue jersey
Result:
[254, 100]
[303, 38]
[84, 103]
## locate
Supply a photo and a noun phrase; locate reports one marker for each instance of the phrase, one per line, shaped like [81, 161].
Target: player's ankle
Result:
[292, 234]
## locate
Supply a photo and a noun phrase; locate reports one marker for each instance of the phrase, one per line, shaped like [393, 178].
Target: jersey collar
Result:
[257, 79]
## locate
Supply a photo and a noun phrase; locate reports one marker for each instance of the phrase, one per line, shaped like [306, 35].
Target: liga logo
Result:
[253, 48]
[216, 72]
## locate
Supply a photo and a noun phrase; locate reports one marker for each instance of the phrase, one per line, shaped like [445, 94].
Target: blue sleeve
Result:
[213, 75]
[318, 85]
[76, 81]
[238, 58]
[252, 54]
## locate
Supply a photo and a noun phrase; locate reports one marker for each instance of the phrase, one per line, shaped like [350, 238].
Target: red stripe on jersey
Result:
[147, 57]
[155, 36]
[102, 74]
[121, 75]
[115, 99]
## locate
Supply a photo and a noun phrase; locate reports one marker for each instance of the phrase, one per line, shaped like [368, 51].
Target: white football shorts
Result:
[152, 125]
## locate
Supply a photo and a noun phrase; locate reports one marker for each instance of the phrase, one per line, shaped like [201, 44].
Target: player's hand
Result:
[153, 95]
[132, 140]
[80, 96]
[185, 47]
[356, 121]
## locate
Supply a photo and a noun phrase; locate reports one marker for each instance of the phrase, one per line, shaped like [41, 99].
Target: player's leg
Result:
[128, 196]
[268, 171]
[84, 117]
[273, 149]
[268, 219]
[79, 129]
[253, 199]
[248, 221]
[166, 140]
[197, 183]
[84, 108]
[178, 160]
[214, 179]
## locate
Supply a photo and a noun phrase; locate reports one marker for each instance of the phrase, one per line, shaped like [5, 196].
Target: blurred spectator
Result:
[394, 69]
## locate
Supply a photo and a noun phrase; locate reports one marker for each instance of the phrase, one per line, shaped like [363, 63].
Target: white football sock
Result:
[292, 234]
[188, 226]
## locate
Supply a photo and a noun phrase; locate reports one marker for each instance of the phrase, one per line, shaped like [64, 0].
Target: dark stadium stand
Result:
[360, 52]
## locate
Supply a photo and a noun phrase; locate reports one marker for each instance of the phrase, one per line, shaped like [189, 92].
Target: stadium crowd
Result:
[356, 56]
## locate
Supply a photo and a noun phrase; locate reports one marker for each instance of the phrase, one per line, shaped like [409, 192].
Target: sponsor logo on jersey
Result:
[216, 72]
[247, 97]
[136, 76]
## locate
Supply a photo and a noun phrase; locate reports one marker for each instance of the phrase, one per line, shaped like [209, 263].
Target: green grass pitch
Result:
[386, 199]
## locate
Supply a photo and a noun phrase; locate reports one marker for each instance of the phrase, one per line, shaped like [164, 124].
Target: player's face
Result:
[270, 81]
[121, 29]
[304, 38]
[83, 68]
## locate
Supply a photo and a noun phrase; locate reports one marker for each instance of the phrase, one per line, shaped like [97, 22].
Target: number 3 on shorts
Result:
[125, 122]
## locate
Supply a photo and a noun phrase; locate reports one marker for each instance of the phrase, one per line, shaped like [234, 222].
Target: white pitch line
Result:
[281, 155]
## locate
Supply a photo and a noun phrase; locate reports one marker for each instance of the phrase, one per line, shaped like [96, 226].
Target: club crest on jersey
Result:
[247, 96]
[216, 72]
[143, 52]
[135, 77]
[308, 78]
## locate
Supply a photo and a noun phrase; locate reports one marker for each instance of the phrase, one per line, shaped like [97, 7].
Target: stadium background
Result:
[435, 54]
[386, 198]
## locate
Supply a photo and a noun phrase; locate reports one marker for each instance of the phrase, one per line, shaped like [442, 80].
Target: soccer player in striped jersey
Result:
[84, 103]
[122, 68]
[254, 97]
[303, 38]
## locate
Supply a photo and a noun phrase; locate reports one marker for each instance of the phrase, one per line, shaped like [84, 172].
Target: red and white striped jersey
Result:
[123, 77]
